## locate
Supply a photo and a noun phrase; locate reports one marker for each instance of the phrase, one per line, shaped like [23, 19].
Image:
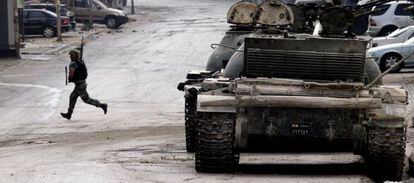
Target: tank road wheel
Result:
[215, 143]
[190, 129]
[384, 157]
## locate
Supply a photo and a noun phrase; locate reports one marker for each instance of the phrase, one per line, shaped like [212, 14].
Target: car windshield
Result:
[51, 13]
[410, 41]
[398, 32]
[100, 4]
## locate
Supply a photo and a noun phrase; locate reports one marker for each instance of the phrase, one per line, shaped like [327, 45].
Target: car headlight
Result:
[375, 58]
[372, 55]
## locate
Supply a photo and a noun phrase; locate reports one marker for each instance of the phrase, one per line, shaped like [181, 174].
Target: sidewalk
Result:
[49, 46]
[6, 63]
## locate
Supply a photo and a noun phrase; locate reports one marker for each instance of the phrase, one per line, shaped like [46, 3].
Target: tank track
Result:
[215, 143]
[385, 153]
[190, 130]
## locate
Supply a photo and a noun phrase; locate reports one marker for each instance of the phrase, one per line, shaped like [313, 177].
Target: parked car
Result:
[388, 55]
[31, 1]
[117, 4]
[398, 36]
[391, 16]
[43, 22]
[97, 12]
[51, 7]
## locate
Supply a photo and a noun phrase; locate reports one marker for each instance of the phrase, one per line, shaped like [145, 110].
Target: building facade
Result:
[7, 28]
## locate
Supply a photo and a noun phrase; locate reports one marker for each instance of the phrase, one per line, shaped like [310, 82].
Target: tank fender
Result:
[389, 116]
[216, 103]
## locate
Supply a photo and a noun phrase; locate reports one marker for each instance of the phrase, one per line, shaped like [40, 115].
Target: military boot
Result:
[66, 115]
[104, 107]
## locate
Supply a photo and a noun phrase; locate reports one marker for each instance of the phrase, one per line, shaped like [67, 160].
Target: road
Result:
[141, 139]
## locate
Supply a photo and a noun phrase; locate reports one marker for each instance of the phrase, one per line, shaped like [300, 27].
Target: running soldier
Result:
[78, 74]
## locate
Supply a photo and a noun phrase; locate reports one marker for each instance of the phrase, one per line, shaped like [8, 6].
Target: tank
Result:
[284, 92]
[240, 17]
[225, 49]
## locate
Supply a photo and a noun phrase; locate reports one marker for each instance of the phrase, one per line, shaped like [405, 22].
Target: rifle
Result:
[81, 50]
[66, 75]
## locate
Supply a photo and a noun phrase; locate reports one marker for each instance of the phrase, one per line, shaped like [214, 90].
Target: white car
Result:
[388, 55]
[391, 16]
[398, 36]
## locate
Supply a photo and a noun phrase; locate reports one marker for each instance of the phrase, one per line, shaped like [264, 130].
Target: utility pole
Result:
[58, 21]
[132, 7]
[72, 4]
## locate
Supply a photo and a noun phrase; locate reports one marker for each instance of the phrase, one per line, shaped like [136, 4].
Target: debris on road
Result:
[38, 142]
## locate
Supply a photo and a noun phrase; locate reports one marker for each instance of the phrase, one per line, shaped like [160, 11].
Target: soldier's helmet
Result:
[74, 52]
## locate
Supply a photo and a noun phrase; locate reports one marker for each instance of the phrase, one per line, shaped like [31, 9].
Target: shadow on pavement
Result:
[355, 168]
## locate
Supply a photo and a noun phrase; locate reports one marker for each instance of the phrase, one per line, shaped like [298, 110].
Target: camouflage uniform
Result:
[80, 91]
[78, 77]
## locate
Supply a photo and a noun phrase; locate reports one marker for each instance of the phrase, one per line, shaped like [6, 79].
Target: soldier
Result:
[78, 74]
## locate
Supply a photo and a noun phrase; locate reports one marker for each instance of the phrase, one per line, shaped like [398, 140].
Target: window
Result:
[25, 13]
[381, 9]
[410, 41]
[63, 11]
[398, 32]
[50, 14]
[50, 8]
[36, 14]
[99, 4]
[411, 36]
[81, 3]
[400, 10]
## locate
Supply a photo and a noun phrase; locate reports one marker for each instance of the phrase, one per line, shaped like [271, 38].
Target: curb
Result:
[63, 47]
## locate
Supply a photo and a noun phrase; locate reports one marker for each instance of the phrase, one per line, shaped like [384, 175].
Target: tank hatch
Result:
[274, 13]
[242, 13]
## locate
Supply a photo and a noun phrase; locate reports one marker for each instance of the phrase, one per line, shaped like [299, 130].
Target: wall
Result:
[7, 28]
[4, 30]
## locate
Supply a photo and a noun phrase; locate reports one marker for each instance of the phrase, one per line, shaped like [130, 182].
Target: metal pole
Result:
[66, 75]
[73, 8]
[21, 25]
[132, 7]
[58, 21]
[16, 29]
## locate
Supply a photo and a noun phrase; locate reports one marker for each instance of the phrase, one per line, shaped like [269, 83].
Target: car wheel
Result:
[112, 22]
[387, 30]
[87, 24]
[390, 60]
[48, 32]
